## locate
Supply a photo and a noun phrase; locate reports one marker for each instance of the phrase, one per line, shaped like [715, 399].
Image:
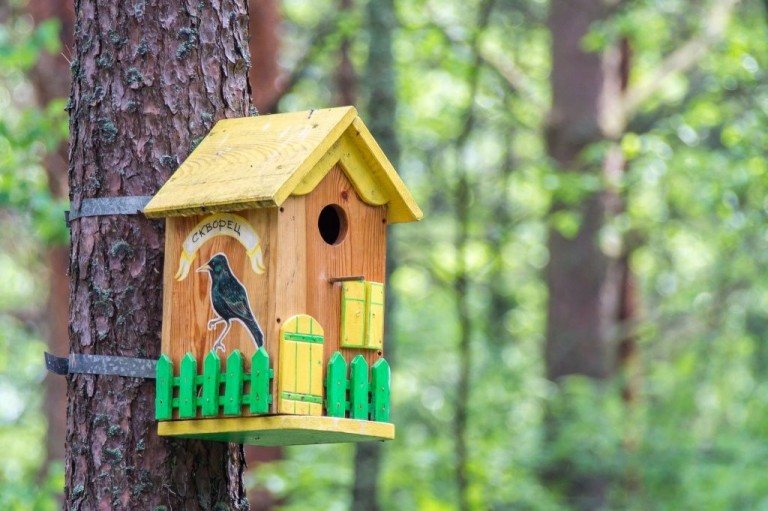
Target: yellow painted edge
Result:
[290, 184]
[402, 206]
[345, 143]
[382, 430]
[347, 154]
[159, 207]
[212, 207]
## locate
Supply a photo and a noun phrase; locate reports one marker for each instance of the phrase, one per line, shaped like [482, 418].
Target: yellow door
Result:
[300, 382]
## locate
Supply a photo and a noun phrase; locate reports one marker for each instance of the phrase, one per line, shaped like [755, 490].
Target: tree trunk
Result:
[381, 117]
[584, 283]
[149, 79]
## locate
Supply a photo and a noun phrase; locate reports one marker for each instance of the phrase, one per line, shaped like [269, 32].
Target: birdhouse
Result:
[273, 298]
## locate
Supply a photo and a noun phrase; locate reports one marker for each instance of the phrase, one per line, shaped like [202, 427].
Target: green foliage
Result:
[695, 193]
[30, 218]
[473, 105]
[28, 132]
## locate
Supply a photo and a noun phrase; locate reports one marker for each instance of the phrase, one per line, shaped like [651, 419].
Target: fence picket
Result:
[336, 386]
[211, 380]
[233, 388]
[164, 388]
[380, 377]
[260, 376]
[188, 387]
[358, 388]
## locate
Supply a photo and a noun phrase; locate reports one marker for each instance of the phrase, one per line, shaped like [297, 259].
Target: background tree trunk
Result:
[50, 77]
[265, 54]
[149, 80]
[346, 80]
[584, 283]
[380, 79]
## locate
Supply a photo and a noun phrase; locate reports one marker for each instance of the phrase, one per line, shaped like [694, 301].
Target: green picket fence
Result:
[355, 397]
[203, 392]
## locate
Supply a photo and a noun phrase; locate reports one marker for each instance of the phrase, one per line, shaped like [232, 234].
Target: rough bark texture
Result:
[50, 78]
[381, 119]
[584, 283]
[149, 79]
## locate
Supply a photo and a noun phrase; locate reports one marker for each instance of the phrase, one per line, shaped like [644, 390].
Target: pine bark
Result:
[149, 79]
[585, 284]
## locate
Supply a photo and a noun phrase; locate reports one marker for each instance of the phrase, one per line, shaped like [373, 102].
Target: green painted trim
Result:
[380, 391]
[188, 387]
[260, 397]
[209, 400]
[164, 388]
[303, 338]
[359, 389]
[233, 387]
[336, 386]
[306, 398]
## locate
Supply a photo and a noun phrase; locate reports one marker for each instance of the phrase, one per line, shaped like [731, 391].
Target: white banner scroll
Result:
[221, 224]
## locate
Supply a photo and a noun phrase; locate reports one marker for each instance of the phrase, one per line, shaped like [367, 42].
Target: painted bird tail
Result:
[256, 332]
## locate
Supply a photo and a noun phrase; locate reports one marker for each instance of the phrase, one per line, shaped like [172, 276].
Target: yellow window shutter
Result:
[353, 314]
[374, 302]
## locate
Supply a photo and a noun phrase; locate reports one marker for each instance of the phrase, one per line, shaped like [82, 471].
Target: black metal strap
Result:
[101, 364]
[102, 206]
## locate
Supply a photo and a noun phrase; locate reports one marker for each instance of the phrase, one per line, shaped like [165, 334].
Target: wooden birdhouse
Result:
[273, 292]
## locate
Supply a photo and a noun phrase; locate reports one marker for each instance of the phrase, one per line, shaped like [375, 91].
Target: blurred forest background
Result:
[580, 320]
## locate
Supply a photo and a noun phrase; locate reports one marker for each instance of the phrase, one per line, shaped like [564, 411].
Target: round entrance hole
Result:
[332, 224]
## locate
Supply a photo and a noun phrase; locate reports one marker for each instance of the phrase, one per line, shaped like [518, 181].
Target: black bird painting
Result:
[230, 301]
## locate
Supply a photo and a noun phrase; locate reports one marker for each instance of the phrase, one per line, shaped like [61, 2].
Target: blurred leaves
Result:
[30, 219]
[696, 212]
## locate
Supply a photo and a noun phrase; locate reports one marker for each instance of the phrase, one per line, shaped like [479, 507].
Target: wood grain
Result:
[186, 304]
[299, 266]
[252, 161]
[259, 162]
[362, 252]
[280, 430]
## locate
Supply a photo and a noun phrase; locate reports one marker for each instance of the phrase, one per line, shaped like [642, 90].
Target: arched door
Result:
[300, 380]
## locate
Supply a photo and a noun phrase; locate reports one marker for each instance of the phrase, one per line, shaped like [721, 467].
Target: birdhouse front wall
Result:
[207, 310]
[360, 253]
[320, 255]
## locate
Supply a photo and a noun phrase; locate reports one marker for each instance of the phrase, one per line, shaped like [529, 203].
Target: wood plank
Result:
[361, 252]
[278, 149]
[404, 209]
[280, 430]
[258, 162]
[288, 281]
[374, 326]
[187, 302]
[353, 315]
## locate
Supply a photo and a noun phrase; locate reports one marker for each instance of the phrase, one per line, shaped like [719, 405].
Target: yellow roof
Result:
[261, 161]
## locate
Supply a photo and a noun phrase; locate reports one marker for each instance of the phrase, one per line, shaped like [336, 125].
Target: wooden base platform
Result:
[276, 430]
